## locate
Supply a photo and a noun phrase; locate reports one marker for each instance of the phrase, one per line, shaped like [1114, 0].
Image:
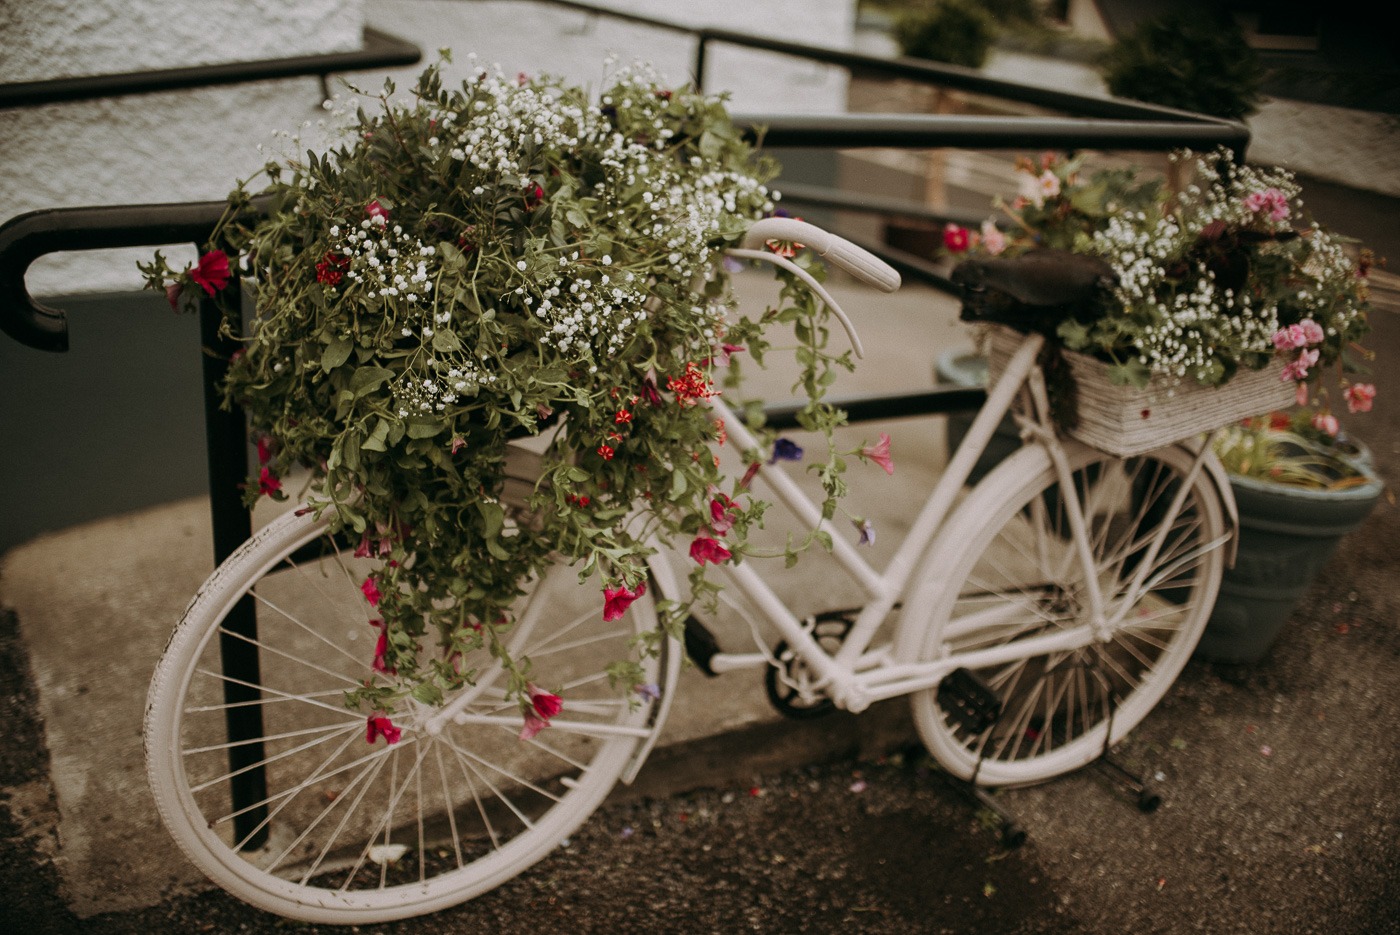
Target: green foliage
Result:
[1191, 61]
[957, 32]
[476, 265]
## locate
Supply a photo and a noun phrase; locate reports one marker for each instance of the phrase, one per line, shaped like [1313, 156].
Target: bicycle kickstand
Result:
[974, 705]
[1147, 798]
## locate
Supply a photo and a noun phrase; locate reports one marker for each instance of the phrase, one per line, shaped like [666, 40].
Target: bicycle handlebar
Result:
[857, 261]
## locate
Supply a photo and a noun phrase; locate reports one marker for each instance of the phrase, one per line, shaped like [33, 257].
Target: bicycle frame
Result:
[856, 675]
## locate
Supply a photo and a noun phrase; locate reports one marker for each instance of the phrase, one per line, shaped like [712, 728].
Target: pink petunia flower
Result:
[380, 726]
[1312, 332]
[1270, 201]
[1298, 369]
[211, 272]
[993, 240]
[533, 725]
[617, 600]
[880, 453]
[1326, 423]
[704, 549]
[1360, 396]
[1286, 339]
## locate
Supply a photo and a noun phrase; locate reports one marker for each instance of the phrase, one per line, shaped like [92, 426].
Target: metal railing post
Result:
[227, 442]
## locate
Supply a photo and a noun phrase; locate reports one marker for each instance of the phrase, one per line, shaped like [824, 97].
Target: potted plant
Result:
[508, 258]
[1220, 284]
[1300, 486]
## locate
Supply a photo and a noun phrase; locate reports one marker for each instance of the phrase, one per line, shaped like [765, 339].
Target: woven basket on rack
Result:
[1127, 421]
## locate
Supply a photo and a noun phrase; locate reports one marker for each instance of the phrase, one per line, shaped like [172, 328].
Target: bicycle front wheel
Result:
[332, 823]
[1010, 572]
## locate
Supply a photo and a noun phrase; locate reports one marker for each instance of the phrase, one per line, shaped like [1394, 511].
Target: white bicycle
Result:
[1041, 614]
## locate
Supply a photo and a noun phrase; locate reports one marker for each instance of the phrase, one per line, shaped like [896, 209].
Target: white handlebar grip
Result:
[857, 261]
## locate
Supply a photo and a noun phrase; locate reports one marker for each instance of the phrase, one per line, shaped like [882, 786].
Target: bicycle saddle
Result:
[1033, 290]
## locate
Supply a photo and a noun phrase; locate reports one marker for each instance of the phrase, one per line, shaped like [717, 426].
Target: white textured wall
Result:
[193, 145]
[149, 148]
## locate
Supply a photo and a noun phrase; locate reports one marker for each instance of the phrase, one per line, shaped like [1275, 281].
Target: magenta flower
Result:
[722, 510]
[956, 238]
[377, 212]
[880, 453]
[380, 726]
[381, 649]
[371, 592]
[749, 474]
[704, 549]
[1360, 396]
[172, 295]
[268, 482]
[212, 272]
[617, 600]
[546, 705]
[993, 240]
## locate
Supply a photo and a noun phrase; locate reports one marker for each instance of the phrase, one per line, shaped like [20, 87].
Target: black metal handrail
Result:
[380, 50]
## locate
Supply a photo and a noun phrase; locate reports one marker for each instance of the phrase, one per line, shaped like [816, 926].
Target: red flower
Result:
[533, 725]
[704, 549]
[623, 417]
[371, 592]
[331, 268]
[691, 386]
[722, 510]
[172, 295]
[381, 649]
[545, 704]
[533, 197]
[268, 482]
[617, 600]
[381, 726]
[606, 452]
[377, 212]
[955, 238]
[211, 272]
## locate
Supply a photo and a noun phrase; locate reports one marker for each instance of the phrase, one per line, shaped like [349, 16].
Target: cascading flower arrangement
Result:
[470, 266]
[1225, 274]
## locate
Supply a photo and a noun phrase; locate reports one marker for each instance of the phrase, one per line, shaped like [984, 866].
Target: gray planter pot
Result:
[1287, 534]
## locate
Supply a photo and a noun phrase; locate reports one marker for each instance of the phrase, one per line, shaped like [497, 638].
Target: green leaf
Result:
[446, 341]
[375, 442]
[368, 379]
[335, 353]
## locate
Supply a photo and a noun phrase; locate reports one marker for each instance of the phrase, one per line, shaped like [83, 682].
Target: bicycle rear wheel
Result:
[1011, 573]
[350, 828]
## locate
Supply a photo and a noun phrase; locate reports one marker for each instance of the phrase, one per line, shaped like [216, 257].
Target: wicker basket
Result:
[1127, 421]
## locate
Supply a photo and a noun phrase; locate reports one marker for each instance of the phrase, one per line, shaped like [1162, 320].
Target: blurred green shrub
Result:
[958, 32]
[1191, 61]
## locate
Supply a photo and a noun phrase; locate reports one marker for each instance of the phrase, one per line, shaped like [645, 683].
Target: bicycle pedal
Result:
[969, 700]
